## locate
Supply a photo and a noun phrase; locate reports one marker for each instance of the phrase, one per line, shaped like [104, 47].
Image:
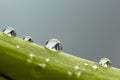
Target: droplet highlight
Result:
[83, 69]
[95, 67]
[31, 56]
[54, 44]
[10, 31]
[28, 38]
[76, 67]
[86, 64]
[69, 73]
[79, 73]
[17, 46]
[105, 62]
[42, 65]
[47, 60]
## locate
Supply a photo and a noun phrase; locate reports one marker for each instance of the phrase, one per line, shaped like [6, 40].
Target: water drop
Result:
[42, 65]
[47, 59]
[31, 56]
[54, 44]
[29, 60]
[10, 31]
[28, 38]
[105, 62]
[83, 69]
[86, 64]
[69, 73]
[79, 73]
[76, 67]
[17, 46]
[95, 67]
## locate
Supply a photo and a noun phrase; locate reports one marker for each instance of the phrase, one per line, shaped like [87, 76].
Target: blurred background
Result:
[88, 29]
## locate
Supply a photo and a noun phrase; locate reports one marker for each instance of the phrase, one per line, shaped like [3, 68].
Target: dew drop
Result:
[79, 73]
[95, 67]
[31, 56]
[28, 38]
[42, 65]
[10, 31]
[69, 73]
[105, 62]
[83, 69]
[17, 46]
[29, 60]
[86, 64]
[54, 44]
[76, 67]
[47, 60]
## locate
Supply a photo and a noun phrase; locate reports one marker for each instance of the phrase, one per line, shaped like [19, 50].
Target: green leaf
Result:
[22, 60]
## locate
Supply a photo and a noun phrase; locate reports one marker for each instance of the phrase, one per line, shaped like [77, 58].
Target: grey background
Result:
[87, 28]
